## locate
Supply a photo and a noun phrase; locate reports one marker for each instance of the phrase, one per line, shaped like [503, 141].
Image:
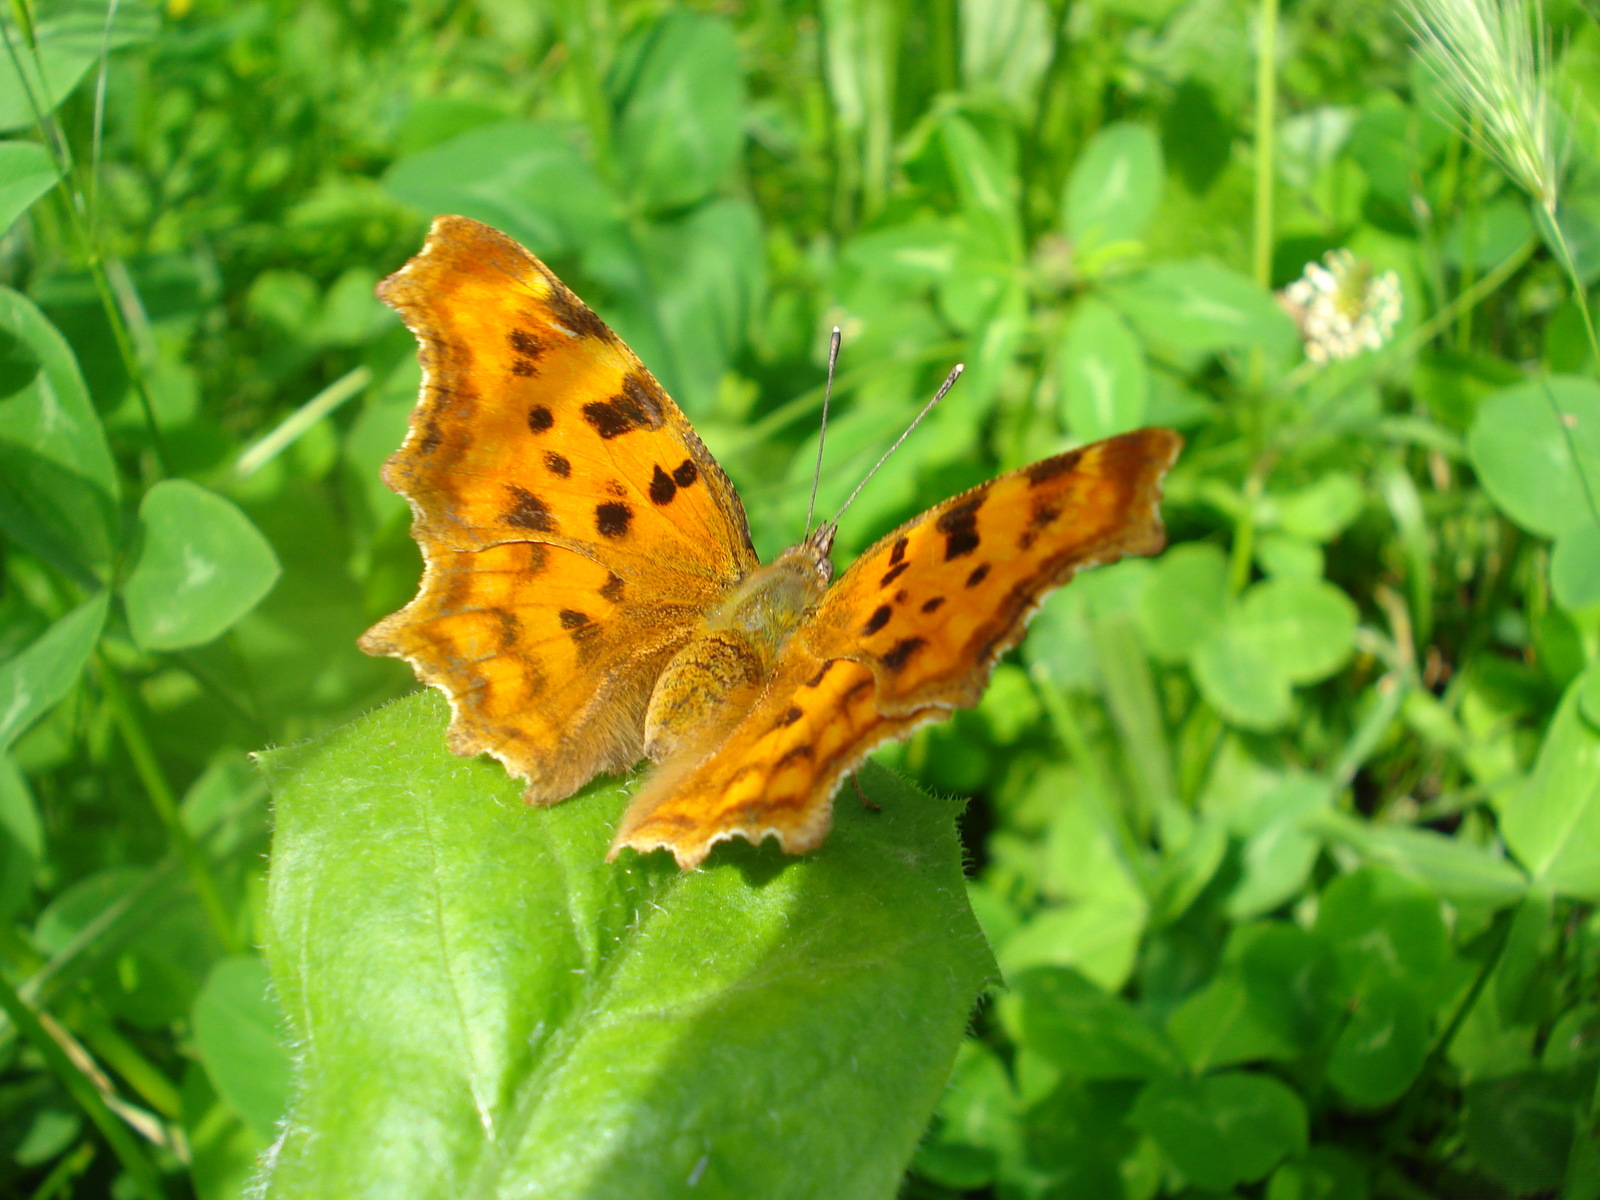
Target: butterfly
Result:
[590, 595]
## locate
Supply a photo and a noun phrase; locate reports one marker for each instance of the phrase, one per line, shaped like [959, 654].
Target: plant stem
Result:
[140, 1169]
[1266, 133]
[147, 767]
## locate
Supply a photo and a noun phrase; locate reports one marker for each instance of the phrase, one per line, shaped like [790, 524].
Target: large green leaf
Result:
[58, 484]
[484, 1006]
[523, 177]
[1188, 310]
[70, 36]
[1104, 380]
[1114, 187]
[679, 96]
[1552, 822]
[1536, 447]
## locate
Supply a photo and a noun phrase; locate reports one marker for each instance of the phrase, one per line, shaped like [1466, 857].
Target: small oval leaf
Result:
[202, 565]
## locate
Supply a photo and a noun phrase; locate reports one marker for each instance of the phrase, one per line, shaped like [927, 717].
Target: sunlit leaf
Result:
[483, 1003]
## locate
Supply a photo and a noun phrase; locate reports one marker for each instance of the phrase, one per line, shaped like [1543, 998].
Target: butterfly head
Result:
[816, 549]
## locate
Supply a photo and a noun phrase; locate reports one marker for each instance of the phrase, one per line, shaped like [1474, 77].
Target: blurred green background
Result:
[1287, 843]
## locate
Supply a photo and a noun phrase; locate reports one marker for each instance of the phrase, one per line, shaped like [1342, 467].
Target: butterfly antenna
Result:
[822, 438]
[949, 382]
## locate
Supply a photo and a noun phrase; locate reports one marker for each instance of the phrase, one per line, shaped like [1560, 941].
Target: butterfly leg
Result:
[862, 796]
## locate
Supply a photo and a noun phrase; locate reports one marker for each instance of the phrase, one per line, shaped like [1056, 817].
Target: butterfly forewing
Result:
[574, 528]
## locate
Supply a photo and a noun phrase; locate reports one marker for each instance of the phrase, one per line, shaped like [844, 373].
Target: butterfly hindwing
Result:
[909, 632]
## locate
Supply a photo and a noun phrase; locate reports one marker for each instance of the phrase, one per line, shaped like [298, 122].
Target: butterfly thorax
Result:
[718, 673]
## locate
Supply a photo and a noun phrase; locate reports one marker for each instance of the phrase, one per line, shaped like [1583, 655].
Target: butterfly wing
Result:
[574, 530]
[911, 631]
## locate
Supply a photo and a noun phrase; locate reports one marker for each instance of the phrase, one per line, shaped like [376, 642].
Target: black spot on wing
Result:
[662, 489]
[510, 628]
[573, 314]
[896, 657]
[540, 418]
[959, 524]
[612, 519]
[580, 628]
[933, 605]
[898, 550]
[431, 437]
[525, 343]
[979, 574]
[685, 473]
[524, 367]
[816, 679]
[557, 464]
[855, 690]
[613, 587]
[639, 405]
[791, 714]
[533, 679]
[794, 754]
[877, 620]
[1040, 472]
[527, 511]
[893, 573]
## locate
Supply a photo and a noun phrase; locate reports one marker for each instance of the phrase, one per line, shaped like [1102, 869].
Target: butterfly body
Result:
[724, 667]
[590, 595]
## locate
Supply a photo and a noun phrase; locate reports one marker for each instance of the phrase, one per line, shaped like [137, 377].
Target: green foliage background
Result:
[1286, 844]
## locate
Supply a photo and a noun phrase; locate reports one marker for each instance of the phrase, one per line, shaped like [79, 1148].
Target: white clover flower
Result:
[1342, 307]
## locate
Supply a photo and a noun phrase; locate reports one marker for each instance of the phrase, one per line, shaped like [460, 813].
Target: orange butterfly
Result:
[590, 594]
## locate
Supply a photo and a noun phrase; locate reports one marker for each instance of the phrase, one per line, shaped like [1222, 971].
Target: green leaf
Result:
[1324, 1173]
[1114, 187]
[1304, 627]
[1104, 381]
[1184, 601]
[1239, 679]
[985, 189]
[705, 273]
[484, 1004]
[26, 173]
[35, 680]
[1520, 1128]
[679, 97]
[1224, 1023]
[1552, 822]
[58, 484]
[202, 565]
[1519, 980]
[1382, 927]
[1322, 510]
[1278, 852]
[1086, 1031]
[522, 177]
[1575, 567]
[71, 37]
[1456, 869]
[236, 1034]
[1382, 1046]
[1536, 448]
[1224, 1130]
[21, 839]
[1292, 978]
[1189, 310]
